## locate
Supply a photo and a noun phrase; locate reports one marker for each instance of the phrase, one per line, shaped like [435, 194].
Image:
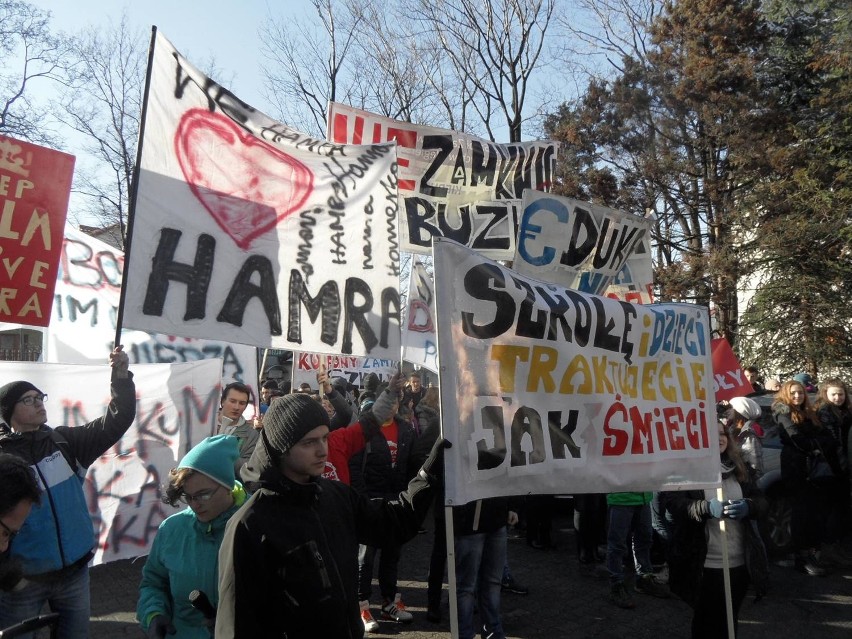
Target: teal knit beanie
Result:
[214, 457]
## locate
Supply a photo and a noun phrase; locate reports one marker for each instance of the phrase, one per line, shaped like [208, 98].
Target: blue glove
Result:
[737, 509]
[715, 507]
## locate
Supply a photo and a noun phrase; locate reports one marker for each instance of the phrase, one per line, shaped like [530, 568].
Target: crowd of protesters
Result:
[253, 552]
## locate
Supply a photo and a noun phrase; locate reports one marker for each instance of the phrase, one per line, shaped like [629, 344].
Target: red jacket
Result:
[342, 444]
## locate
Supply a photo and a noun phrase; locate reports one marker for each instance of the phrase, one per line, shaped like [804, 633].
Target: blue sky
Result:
[200, 29]
[225, 31]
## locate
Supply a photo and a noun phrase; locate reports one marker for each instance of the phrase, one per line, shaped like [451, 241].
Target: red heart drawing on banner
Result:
[246, 184]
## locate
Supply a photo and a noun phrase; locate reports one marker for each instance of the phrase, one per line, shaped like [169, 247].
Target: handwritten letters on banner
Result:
[554, 391]
[452, 184]
[575, 244]
[352, 369]
[35, 184]
[419, 338]
[247, 231]
[176, 408]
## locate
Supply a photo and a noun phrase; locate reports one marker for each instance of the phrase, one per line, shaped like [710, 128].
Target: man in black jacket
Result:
[56, 541]
[288, 565]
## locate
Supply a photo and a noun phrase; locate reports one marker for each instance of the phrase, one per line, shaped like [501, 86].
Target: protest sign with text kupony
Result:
[452, 184]
[729, 380]
[575, 244]
[352, 369]
[248, 231]
[35, 184]
[557, 391]
[176, 407]
[419, 338]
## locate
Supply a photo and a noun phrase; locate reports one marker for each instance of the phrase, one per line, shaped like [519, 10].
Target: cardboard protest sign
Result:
[556, 391]
[419, 339]
[635, 281]
[250, 232]
[35, 184]
[729, 379]
[176, 408]
[575, 244]
[452, 184]
[82, 326]
[352, 369]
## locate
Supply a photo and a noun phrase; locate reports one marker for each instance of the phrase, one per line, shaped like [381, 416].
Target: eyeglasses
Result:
[10, 534]
[29, 400]
[199, 497]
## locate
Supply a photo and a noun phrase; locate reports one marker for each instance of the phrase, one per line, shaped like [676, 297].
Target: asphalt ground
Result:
[564, 601]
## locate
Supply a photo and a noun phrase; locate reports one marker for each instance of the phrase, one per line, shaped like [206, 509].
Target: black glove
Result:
[160, 626]
[433, 468]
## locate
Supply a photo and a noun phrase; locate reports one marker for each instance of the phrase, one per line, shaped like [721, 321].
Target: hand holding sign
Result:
[322, 380]
[120, 363]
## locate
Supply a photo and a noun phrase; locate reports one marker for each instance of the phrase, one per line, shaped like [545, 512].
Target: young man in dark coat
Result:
[57, 540]
[288, 565]
[380, 471]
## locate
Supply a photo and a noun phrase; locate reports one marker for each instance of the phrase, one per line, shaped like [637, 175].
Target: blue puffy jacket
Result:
[58, 533]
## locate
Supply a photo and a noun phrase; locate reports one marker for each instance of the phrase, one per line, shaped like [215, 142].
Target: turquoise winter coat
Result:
[183, 558]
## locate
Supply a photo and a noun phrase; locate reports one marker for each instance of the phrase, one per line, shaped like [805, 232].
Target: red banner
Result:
[729, 380]
[35, 184]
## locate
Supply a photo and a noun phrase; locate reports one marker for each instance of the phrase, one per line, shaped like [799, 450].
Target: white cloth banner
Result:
[250, 232]
[452, 184]
[556, 391]
[176, 408]
[575, 244]
[419, 339]
[635, 282]
[352, 369]
[82, 325]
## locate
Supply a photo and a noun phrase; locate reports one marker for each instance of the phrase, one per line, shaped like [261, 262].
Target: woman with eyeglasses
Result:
[184, 555]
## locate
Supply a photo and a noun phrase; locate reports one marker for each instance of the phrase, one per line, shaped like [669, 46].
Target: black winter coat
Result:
[430, 430]
[839, 423]
[800, 441]
[371, 472]
[342, 411]
[688, 546]
[288, 565]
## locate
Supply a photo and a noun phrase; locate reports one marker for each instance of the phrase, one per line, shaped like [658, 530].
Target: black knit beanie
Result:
[9, 396]
[290, 418]
[371, 382]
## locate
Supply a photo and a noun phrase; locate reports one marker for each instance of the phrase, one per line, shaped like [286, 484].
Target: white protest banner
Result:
[352, 369]
[82, 325]
[575, 244]
[250, 232]
[419, 339]
[452, 184]
[635, 282]
[176, 408]
[556, 391]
